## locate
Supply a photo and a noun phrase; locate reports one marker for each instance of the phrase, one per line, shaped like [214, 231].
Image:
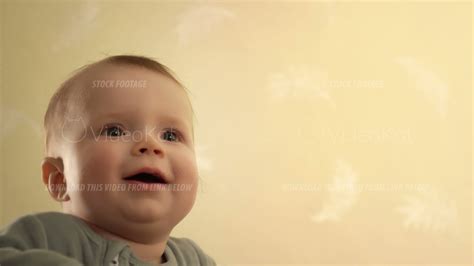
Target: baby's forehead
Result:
[124, 87]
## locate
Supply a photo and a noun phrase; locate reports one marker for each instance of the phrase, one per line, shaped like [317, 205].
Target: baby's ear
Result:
[53, 178]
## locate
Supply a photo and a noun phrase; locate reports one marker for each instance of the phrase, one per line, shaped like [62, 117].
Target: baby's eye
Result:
[171, 135]
[113, 131]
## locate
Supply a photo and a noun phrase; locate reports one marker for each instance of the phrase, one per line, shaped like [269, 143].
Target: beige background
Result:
[327, 132]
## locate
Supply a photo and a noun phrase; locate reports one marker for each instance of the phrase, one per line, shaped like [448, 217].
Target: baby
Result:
[120, 159]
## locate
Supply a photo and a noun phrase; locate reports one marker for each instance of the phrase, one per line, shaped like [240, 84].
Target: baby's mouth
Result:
[146, 178]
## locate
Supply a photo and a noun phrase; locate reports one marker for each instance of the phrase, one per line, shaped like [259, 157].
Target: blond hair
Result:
[64, 101]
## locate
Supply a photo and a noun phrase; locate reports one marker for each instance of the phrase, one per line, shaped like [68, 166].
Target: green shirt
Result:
[54, 238]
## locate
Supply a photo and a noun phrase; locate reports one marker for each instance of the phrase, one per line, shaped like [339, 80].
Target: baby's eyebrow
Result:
[174, 120]
[113, 115]
[167, 119]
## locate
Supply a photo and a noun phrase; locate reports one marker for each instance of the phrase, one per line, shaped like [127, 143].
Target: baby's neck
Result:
[151, 253]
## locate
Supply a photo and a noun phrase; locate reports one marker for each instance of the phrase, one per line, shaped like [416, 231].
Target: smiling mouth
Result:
[146, 178]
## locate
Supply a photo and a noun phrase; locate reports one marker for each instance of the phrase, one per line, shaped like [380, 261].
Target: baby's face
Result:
[147, 124]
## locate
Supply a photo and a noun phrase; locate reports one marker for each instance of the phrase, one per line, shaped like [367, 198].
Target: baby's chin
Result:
[146, 211]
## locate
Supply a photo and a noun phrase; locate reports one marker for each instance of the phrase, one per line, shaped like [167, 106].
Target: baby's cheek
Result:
[186, 174]
[103, 163]
[185, 169]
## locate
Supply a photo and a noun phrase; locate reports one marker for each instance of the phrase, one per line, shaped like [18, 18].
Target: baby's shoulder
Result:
[49, 238]
[43, 220]
[45, 229]
[49, 221]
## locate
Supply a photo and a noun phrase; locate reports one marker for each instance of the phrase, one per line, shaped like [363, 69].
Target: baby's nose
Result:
[148, 145]
[145, 150]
